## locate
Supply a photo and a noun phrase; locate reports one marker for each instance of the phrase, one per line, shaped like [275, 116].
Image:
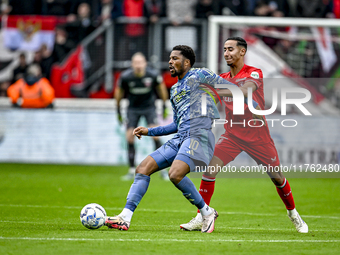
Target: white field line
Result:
[167, 226]
[169, 211]
[165, 240]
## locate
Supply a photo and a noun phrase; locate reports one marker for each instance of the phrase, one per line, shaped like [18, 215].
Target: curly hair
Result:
[187, 52]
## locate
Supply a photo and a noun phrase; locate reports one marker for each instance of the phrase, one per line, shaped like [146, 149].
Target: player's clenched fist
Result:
[139, 131]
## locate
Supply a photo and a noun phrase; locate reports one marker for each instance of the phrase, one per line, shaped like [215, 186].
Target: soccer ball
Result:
[93, 216]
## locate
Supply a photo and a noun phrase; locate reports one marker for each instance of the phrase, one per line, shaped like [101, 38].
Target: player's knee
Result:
[130, 139]
[278, 181]
[147, 167]
[140, 169]
[175, 177]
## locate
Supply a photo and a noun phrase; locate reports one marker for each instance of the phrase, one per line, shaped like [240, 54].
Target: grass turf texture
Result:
[40, 207]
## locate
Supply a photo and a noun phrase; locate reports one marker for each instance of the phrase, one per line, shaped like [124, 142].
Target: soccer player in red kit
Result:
[256, 141]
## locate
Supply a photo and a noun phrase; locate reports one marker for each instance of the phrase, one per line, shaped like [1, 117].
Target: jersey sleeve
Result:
[121, 83]
[208, 77]
[256, 77]
[163, 130]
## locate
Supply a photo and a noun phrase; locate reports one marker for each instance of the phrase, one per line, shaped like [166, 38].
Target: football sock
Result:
[206, 210]
[126, 214]
[292, 213]
[207, 188]
[157, 144]
[132, 170]
[286, 195]
[131, 154]
[190, 192]
[137, 191]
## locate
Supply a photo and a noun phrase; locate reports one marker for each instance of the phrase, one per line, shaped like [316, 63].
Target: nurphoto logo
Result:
[238, 104]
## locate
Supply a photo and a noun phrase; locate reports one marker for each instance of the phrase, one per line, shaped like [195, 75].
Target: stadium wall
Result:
[86, 131]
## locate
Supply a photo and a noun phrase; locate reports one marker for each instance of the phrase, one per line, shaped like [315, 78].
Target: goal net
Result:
[294, 47]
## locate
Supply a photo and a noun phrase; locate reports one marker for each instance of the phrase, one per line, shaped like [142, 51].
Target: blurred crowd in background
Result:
[173, 9]
[78, 18]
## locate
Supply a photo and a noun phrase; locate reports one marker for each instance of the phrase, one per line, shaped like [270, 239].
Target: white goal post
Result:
[216, 21]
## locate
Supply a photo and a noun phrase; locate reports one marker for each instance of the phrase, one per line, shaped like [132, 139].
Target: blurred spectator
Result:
[43, 58]
[336, 8]
[32, 91]
[21, 69]
[314, 8]
[5, 7]
[274, 8]
[284, 48]
[47, 61]
[109, 9]
[135, 38]
[236, 7]
[72, 16]
[56, 7]
[62, 45]
[153, 10]
[37, 57]
[3, 88]
[82, 26]
[22, 7]
[252, 4]
[179, 11]
[205, 8]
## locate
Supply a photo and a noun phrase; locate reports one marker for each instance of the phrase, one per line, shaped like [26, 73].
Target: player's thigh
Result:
[178, 170]
[266, 155]
[165, 155]
[151, 116]
[226, 150]
[197, 149]
[133, 117]
[129, 135]
[148, 166]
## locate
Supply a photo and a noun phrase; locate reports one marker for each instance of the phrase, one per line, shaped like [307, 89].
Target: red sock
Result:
[207, 189]
[286, 195]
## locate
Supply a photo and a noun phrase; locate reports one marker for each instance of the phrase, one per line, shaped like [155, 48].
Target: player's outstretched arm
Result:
[163, 130]
[156, 131]
[258, 117]
[140, 131]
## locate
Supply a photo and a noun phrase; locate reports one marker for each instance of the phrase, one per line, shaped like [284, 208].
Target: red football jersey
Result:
[238, 125]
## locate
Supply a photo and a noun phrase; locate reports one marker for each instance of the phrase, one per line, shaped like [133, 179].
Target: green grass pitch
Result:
[40, 207]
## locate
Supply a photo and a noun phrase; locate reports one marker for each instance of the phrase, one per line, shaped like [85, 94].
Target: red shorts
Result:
[228, 148]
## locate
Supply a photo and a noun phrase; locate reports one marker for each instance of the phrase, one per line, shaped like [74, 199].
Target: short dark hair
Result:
[187, 52]
[240, 41]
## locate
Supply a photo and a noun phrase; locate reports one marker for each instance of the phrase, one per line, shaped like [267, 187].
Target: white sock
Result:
[206, 210]
[199, 216]
[292, 213]
[132, 170]
[126, 214]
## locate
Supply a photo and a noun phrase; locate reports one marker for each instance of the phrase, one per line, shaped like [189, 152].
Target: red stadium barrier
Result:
[67, 74]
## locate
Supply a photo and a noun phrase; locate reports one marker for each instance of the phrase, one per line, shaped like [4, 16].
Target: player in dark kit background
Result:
[140, 83]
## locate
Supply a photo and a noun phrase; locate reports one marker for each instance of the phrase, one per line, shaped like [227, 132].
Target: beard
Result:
[178, 72]
[175, 74]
